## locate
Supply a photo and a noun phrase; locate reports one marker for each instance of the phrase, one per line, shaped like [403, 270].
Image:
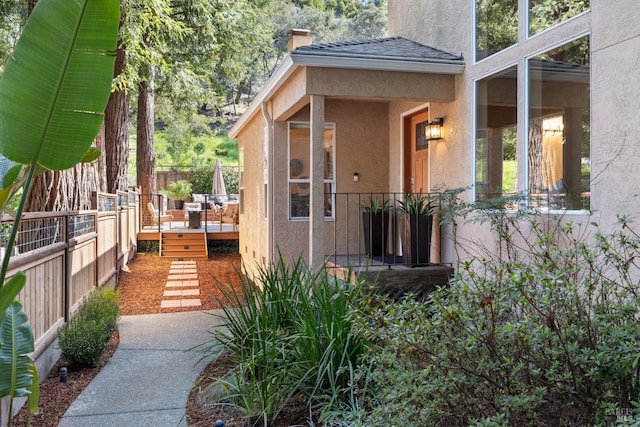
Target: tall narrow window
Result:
[241, 178]
[544, 14]
[265, 171]
[496, 26]
[300, 169]
[558, 156]
[496, 163]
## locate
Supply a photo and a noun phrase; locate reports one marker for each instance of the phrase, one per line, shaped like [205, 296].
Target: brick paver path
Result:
[182, 287]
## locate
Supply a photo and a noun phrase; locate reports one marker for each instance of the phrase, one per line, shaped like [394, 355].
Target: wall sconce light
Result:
[356, 177]
[433, 130]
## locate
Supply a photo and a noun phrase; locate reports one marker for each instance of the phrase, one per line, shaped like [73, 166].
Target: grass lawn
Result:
[509, 175]
[213, 147]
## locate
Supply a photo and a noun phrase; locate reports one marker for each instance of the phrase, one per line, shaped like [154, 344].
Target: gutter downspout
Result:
[269, 196]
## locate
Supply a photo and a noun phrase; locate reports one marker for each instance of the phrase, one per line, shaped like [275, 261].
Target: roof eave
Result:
[379, 63]
[282, 73]
[293, 60]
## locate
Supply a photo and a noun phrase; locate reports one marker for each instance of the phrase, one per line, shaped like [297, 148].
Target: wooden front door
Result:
[416, 159]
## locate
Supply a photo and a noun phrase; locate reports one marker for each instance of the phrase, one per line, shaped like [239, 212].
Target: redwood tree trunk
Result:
[116, 125]
[69, 189]
[145, 150]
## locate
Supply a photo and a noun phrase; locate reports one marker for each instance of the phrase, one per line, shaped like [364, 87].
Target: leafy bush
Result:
[82, 343]
[148, 246]
[230, 176]
[292, 332]
[223, 246]
[201, 179]
[544, 331]
[84, 338]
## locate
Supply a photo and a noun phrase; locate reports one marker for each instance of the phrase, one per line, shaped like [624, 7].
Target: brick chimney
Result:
[299, 38]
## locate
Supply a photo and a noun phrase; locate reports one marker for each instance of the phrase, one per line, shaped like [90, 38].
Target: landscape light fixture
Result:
[433, 130]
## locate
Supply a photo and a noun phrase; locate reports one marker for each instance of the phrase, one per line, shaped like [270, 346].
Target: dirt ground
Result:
[140, 286]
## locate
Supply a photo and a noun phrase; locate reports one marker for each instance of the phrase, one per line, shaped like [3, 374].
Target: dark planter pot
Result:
[376, 228]
[179, 204]
[415, 233]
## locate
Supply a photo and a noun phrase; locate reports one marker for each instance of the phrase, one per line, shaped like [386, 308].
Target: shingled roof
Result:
[393, 54]
[397, 48]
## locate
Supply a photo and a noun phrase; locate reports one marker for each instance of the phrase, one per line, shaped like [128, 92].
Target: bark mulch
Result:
[141, 286]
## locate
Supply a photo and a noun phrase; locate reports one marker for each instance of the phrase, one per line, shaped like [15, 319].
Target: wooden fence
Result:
[66, 255]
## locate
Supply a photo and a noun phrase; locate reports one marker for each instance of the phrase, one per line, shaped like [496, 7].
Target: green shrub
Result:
[84, 338]
[82, 342]
[542, 331]
[293, 333]
[102, 306]
[202, 176]
[148, 246]
[223, 246]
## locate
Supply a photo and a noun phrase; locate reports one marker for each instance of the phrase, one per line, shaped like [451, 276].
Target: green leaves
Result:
[10, 291]
[295, 333]
[57, 82]
[53, 92]
[416, 203]
[16, 342]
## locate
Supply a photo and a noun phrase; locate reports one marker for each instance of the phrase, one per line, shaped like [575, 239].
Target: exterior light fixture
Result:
[433, 130]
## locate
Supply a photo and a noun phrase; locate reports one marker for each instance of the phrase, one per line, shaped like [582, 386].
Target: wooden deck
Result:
[212, 228]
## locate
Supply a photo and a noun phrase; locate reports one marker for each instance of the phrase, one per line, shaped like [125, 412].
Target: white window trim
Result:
[523, 73]
[526, 97]
[303, 124]
[474, 118]
[527, 32]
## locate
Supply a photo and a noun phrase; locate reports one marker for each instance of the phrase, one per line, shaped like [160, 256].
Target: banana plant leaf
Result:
[16, 342]
[10, 291]
[53, 93]
[56, 84]
[12, 176]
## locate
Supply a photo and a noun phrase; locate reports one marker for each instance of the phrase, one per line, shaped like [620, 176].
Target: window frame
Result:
[523, 98]
[476, 82]
[331, 182]
[527, 17]
[527, 122]
[474, 37]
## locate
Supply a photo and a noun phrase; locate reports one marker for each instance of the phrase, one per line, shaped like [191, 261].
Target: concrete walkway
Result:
[148, 380]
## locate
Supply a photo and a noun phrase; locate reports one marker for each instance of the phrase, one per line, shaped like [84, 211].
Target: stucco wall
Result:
[615, 101]
[253, 227]
[615, 96]
[361, 146]
[443, 24]
[369, 133]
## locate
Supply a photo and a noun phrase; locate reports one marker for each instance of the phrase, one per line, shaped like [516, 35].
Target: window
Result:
[496, 26]
[300, 169]
[265, 171]
[496, 163]
[547, 13]
[241, 178]
[558, 152]
[497, 21]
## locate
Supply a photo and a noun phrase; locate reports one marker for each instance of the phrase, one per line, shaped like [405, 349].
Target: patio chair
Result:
[157, 217]
[229, 215]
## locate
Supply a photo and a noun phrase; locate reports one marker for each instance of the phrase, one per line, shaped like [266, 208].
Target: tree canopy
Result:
[201, 57]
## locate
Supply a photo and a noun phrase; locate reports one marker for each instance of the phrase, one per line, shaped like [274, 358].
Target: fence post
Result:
[67, 268]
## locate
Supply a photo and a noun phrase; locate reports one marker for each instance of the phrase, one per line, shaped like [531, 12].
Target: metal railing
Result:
[383, 229]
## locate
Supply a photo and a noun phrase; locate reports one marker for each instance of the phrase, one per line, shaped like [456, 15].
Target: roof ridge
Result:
[369, 46]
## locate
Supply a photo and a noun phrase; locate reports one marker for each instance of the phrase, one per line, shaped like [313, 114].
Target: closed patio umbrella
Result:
[218, 187]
